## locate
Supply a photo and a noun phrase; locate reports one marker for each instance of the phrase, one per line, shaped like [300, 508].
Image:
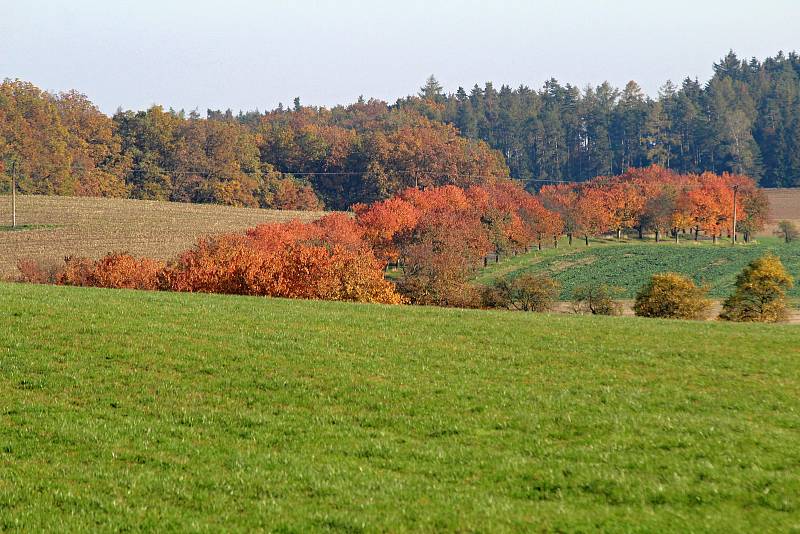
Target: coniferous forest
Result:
[744, 120]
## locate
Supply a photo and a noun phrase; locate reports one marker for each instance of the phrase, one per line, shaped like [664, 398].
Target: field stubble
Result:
[55, 227]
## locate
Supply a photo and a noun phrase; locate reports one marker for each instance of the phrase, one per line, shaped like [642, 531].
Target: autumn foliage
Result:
[436, 237]
[440, 235]
[659, 201]
[672, 296]
[322, 260]
[115, 270]
[760, 294]
[327, 259]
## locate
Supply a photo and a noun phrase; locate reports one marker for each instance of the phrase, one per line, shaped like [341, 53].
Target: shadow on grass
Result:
[25, 227]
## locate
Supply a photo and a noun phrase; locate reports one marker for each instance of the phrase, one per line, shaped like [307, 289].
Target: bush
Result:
[497, 295]
[120, 271]
[672, 296]
[235, 264]
[534, 292]
[760, 294]
[596, 299]
[788, 231]
[429, 287]
[528, 292]
[37, 272]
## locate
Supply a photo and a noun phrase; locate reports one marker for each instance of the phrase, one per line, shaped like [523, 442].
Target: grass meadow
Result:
[124, 410]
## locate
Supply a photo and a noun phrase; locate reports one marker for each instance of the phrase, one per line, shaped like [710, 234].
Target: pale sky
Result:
[247, 54]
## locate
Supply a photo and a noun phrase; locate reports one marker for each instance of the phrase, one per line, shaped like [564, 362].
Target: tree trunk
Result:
[555, 241]
[569, 236]
[657, 236]
[586, 237]
[714, 239]
[619, 234]
[641, 233]
[697, 233]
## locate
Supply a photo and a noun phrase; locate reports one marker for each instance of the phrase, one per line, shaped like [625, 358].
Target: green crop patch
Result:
[630, 264]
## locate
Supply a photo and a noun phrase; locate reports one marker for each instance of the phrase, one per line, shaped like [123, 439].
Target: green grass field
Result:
[130, 410]
[630, 264]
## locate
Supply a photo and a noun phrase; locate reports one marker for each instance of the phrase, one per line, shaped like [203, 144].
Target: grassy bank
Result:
[134, 410]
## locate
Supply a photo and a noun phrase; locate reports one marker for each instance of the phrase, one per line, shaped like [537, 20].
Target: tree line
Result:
[745, 120]
[659, 201]
[299, 158]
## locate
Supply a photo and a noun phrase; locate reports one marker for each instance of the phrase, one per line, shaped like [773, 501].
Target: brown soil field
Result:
[55, 227]
[784, 204]
[716, 308]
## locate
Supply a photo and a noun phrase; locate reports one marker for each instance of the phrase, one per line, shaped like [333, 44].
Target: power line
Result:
[349, 173]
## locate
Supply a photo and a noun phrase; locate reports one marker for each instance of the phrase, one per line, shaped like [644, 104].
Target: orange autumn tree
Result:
[439, 255]
[383, 222]
[506, 212]
[626, 204]
[439, 235]
[540, 221]
[595, 214]
[562, 199]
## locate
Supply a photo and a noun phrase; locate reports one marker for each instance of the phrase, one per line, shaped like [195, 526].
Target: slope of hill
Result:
[629, 265]
[157, 411]
[54, 227]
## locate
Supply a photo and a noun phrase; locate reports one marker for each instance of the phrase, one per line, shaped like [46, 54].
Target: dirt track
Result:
[716, 308]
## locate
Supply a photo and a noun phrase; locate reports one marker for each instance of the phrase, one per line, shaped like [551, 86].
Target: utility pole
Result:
[14, 194]
[733, 230]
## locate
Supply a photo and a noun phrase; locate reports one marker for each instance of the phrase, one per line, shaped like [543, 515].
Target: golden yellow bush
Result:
[672, 296]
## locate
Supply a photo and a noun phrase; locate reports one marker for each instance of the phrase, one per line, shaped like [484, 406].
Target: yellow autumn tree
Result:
[760, 294]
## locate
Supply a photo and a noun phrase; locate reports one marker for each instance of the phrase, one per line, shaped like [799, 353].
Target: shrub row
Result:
[323, 260]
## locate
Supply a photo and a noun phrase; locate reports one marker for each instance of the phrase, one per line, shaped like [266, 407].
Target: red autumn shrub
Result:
[338, 229]
[112, 271]
[36, 272]
[273, 236]
[382, 223]
[240, 265]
